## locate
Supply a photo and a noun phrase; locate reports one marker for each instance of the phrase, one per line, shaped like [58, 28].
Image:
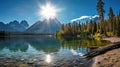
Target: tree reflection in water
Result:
[50, 44]
[46, 48]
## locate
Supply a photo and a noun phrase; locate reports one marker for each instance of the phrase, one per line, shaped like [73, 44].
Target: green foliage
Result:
[108, 27]
[109, 34]
[117, 26]
[92, 28]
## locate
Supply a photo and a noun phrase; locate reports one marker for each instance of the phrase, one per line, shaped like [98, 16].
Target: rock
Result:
[41, 60]
[36, 65]
[30, 62]
[5, 64]
[22, 59]
[23, 65]
[81, 63]
[34, 60]
[98, 62]
[105, 58]
[56, 66]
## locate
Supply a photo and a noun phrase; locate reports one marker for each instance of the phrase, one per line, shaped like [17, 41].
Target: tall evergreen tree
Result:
[95, 27]
[119, 13]
[100, 9]
[111, 19]
[117, 26]
[62, 27]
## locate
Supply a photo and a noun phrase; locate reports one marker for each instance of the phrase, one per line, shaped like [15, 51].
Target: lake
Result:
[46, 51]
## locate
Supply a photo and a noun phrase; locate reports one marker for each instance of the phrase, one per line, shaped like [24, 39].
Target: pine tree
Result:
[62, 27]
[100, 9]
[119, 13]
[111, 19]
[117, 26]
[95, 28]
[89, 27]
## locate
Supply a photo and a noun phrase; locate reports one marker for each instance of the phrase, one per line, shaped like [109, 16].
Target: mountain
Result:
[48, 26]
[24, 24]
[14, 26]
[5, 27]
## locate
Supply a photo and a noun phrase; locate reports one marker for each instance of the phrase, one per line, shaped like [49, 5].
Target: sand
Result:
[112, 39]
[110, 58]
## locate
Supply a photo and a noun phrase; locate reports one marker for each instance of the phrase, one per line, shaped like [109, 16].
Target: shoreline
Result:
[110, 58]
[112, 39]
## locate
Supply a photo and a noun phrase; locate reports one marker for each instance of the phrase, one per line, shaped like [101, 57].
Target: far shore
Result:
[110, 58]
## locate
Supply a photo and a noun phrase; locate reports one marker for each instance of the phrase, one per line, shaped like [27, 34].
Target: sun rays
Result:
[48, 11]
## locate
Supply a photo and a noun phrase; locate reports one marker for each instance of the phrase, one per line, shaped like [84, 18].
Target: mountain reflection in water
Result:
[46, 50]
[49, 44]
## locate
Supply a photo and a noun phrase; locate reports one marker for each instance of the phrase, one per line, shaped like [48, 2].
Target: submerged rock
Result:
[30, 62]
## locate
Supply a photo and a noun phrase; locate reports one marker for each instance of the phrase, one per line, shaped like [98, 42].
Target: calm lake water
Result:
[38, 51]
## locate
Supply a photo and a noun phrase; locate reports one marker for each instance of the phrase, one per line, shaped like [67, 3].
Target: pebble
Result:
[40, 62]
[34, 60]
[56, 66]
[81, 63]
[36, 65]
[98, 62]
[30, 62]
[22, 59]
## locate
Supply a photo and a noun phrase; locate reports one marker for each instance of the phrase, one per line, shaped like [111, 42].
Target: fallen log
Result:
[101, 50]
[93, 47]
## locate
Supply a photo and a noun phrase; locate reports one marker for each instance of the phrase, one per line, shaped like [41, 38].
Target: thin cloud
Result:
[85, 17]
[95, 16]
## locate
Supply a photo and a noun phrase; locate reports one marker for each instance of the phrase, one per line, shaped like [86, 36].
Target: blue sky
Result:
[69, 9]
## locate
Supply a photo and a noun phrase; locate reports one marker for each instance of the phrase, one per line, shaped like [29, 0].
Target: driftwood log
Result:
[101, 50]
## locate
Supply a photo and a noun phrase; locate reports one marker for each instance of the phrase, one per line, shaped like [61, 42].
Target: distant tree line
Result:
[106, 27]
[4, 33]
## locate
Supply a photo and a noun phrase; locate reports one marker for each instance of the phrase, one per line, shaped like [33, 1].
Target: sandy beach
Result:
[112, 39]
[110, 58]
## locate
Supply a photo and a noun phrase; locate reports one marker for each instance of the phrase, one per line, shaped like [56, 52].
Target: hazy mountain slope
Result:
[45, 26]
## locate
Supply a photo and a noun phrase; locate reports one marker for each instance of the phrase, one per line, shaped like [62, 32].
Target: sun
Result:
[48, 11]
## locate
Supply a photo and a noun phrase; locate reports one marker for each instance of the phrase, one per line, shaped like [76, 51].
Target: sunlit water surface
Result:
[46, 50]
